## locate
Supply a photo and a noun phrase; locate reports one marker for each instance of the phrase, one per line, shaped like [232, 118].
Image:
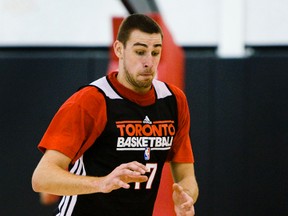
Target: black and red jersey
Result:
[104, 125]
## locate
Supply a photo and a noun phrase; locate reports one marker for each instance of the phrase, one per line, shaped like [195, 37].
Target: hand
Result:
[122, 175]
[48, 199]
[183, 203]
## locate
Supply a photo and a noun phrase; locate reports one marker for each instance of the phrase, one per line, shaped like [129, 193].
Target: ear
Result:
[118, 49]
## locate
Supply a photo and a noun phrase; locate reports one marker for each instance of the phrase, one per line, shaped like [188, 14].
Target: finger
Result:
[188, 210]
[122, 184]
[136, 178]
[141, 178]
[136, 166]
[129, 176]
[177, 188]
[187, 205]
[129, 172]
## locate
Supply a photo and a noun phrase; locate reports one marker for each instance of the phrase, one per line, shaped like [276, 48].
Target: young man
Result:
[115, 135]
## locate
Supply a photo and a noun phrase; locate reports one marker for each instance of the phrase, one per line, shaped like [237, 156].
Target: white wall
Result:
[58, 22]
[88, 22]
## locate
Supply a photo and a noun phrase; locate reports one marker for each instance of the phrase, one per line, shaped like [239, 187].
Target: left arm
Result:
[185, 189]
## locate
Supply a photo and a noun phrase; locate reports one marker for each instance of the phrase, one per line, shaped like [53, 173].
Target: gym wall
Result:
[238, 124]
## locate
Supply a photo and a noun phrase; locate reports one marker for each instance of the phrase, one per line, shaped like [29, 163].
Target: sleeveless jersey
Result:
[132, 133]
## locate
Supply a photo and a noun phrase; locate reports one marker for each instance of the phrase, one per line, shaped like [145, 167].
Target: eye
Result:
[140, 52]
[155, 53]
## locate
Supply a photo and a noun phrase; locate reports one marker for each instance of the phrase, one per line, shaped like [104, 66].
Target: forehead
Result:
[138, 36]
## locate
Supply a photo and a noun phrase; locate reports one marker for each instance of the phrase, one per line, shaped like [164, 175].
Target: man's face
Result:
[140, 58]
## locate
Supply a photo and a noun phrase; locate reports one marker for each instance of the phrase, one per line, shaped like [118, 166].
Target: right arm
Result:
[51, 176]
[82, 117]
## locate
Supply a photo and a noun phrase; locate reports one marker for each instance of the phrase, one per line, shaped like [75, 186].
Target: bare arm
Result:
[185, 188]
[184, 175]
[51, 176]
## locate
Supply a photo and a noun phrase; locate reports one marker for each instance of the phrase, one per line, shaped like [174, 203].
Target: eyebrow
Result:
[145, 45]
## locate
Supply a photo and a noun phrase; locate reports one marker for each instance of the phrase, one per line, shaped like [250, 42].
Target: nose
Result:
[148, 61]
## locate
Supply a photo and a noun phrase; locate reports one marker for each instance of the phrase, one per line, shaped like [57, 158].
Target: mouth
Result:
[146, 76]
[146, 73]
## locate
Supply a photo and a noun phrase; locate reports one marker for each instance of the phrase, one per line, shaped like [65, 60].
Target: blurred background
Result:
[235, 75]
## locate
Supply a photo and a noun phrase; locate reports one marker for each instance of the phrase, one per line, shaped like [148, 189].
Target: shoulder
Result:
[182, 102]
[164, 89]
[88, 98]
[179, 94]
[87, 92]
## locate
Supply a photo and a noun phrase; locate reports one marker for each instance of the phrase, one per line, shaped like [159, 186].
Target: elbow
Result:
[37, 183]
[196, 195]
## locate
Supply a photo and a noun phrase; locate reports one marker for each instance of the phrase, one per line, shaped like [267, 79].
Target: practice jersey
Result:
[150, 131]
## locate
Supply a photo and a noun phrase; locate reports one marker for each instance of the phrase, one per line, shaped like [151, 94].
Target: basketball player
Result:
[115, 135]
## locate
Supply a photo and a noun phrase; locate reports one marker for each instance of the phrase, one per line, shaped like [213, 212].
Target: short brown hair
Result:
[140, 22]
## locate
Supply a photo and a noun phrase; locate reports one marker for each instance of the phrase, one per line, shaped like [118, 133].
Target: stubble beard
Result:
[137, 84]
